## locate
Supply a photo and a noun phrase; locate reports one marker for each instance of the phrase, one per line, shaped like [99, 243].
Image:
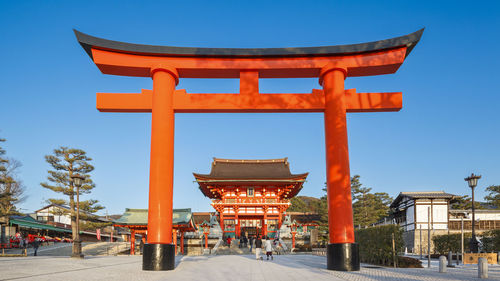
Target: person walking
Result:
[250, 241]
[36, 244]
[245, 241]
[269, 248]
[21, 243]
[258, 246]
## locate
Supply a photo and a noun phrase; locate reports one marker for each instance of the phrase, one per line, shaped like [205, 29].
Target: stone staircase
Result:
[225, 250]
[105, 248]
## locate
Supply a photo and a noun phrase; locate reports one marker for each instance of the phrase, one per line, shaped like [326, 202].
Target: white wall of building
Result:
[438, 218]
[53, 211]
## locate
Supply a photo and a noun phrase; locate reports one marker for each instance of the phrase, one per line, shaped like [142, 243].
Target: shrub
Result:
[491, 241]
[408, 262]
[375, 244]
[450, 242]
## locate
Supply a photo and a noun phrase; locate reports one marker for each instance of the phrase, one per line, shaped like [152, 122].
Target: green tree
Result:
[87, 210]
[368, 207]
[11, 188]
[3, 161]
[493, 197]
[464, 203]
[65, 162]
[298, 205]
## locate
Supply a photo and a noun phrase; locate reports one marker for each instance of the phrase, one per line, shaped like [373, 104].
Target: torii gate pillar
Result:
[331, 64]
[161, 174]
[342, 252]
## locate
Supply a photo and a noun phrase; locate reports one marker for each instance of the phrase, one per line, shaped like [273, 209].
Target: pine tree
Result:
[493, 197]
[298, 205]
[3, 161]
[66, 162]
[464, 203]
[368, 208]
[11, 188]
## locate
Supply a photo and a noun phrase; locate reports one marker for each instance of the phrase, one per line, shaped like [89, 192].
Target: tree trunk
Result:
[73, 217]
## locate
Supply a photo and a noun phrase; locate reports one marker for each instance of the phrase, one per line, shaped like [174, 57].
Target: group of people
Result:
[268, 247]
[244, 242]
[25, 242]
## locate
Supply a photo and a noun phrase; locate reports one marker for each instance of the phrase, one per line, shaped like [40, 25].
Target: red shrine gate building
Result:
[250, 195]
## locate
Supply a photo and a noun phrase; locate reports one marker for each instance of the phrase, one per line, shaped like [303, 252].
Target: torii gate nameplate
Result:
[331, 64]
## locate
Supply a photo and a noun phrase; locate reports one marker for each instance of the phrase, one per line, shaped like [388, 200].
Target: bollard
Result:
[450, 259]
[482, 268]
[442, 264]
[458, 260]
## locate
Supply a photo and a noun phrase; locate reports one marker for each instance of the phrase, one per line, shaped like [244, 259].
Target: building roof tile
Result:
[268, 169]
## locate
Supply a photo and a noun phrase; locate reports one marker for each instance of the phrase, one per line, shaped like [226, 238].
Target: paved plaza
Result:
[230, 267]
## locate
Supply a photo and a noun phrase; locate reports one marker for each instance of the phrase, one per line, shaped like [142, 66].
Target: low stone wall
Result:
[195, 246]
[319, 251]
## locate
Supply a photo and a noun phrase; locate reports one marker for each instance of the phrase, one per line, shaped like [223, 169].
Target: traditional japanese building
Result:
[250, 196]
[136, 220]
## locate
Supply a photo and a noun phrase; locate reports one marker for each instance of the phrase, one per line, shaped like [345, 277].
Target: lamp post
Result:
[206, 231]
[293, 229]
[472, 181]
[77, 244]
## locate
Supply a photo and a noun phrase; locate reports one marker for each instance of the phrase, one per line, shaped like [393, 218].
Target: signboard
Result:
[472, 258]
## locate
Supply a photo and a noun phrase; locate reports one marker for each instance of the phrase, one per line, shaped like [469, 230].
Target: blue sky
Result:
[448, 127]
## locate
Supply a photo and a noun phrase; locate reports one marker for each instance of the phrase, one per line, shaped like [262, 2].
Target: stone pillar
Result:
[343, 253]
[442, 264]
[482, 268]
[159, 253]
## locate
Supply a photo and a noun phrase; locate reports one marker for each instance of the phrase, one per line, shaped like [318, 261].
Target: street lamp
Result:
[77, 244]
[472, 181]
[293, 228]
[206, 231]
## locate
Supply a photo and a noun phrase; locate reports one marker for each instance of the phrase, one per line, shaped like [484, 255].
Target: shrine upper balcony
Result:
[250, 201]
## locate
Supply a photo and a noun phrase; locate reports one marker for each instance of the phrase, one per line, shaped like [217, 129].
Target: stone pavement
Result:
[245, 267]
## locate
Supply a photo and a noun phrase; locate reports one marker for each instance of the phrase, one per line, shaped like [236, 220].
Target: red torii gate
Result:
[331, 64]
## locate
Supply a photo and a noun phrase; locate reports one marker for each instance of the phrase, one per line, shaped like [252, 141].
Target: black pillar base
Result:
[343, 257]
[158, 257]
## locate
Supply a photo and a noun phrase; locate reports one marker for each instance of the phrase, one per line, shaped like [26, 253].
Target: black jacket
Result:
[258, 243]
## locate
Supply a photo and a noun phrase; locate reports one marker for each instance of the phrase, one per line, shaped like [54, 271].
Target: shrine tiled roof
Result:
[422, 195]
[268, 169]
[199, 217]
[140, 217]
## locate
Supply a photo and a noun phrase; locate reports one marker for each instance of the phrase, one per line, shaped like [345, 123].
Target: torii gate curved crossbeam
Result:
[331, 64]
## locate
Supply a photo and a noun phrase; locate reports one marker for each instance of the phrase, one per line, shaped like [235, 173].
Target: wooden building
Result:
[136, 220]
[250, 196]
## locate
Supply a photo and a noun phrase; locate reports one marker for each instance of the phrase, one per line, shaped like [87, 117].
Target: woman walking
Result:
[258, 246]
[269, 248]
